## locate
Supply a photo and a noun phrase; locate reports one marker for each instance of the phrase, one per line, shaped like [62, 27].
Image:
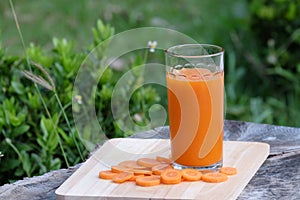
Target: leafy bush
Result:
[37, 129]
[262, 75]
[276, 29]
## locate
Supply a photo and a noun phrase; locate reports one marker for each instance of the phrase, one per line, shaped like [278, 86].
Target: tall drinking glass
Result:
[195, 84]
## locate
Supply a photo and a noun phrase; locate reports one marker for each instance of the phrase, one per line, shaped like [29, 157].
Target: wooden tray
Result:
[247, 157]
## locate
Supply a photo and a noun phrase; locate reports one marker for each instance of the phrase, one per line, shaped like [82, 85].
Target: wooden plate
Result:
[247, 157]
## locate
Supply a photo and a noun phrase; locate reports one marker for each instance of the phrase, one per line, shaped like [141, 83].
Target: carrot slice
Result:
[191, 174]
[163, 159]
[142, 172]
[135, 177]
[171, 176]
[131, 164]
[147, 162]
[158, 169]
[125, 163]
[148, 181]
[228, 170]
[206, 171]
[119, 169]
[107, 174]
[214, 177]
[149, 172]
[122, 177]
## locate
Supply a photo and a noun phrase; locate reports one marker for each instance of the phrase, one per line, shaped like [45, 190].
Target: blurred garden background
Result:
[262, 66]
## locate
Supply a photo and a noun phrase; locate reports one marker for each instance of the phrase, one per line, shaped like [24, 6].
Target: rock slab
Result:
[278, 177]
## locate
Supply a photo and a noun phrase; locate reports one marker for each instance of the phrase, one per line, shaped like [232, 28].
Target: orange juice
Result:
[196, 114]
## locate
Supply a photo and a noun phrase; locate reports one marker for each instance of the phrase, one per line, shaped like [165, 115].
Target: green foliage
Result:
[263, 74]
[35, 140]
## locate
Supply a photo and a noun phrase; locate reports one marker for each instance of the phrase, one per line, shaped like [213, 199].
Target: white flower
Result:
[152, 46]
[272, 58]
[271, 42]
[137, 117]
[78, 99]
[1, 155]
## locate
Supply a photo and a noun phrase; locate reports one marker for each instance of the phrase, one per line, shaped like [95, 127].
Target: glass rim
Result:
[169, 51]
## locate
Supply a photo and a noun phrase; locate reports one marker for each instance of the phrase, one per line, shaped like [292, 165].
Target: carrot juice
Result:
[196, 114]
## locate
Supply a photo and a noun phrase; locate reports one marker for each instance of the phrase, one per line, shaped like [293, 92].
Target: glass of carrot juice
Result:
[195, 84]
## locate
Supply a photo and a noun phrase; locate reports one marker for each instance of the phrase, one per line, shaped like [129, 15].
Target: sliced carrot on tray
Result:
[171, 176]
[107, 174]
[163, 159]
[142, 172]
[147, 162]
[228, 170]
[148, 181]
[214, 177]
[122, 177]
[125, 163]
[158, 169]
[135, 177]
[131, 164]
[206, 171]
[191, 174]
[150, 172]
[119, 169]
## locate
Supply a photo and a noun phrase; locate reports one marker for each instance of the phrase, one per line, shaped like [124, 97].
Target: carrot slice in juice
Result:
[147, 181]
[228, 170]
[214, 177]
[122, 177]
[171, 176]
[147, 162]
[107, 174]
[191, 174]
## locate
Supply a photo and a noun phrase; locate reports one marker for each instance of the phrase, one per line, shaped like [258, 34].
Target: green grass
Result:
[41, 20]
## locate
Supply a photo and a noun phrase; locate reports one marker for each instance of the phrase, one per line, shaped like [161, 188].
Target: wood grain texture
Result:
[278, 177]
[247, 157]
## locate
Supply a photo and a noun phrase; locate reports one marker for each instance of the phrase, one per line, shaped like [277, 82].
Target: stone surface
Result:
[278, 178]
[38, 187]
